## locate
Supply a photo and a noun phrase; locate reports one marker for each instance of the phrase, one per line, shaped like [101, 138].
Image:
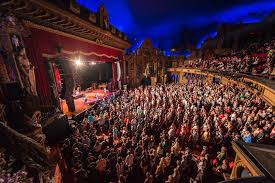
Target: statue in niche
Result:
[103, 18]
[26, 71]
[113, 30]
[15, 40]
[147, 70]
[10, 19]
[11, 42]
[7, 21]
[106, 23]
[92, 17]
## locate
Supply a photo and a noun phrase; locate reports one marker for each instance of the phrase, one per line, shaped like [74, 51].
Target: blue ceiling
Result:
[178, 23]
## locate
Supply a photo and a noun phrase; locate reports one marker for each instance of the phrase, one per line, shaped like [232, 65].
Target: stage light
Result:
[92, 63]
[78, 62]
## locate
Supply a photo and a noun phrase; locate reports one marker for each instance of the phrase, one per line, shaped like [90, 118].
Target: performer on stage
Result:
[96, 96]
[105, 91]
[85, 99]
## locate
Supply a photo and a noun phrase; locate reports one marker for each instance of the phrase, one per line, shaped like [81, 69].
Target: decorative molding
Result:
[92, 17]
[113, 30]
[87, 54]
[74, 7]
[98, 41]
[76, 53]
[73, 18]
[46, 14]
[47, 29]
[50, 56]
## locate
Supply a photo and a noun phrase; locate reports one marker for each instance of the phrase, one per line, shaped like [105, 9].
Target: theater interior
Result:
[155, 91]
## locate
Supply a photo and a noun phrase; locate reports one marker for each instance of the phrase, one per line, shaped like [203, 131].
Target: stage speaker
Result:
[56, 129]
[12, 91]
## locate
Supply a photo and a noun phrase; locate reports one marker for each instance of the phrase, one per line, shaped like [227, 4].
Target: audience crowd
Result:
[9, 172]
[168, 133]
[257, 58]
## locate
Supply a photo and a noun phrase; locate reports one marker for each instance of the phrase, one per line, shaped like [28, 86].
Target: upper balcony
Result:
[264, 87]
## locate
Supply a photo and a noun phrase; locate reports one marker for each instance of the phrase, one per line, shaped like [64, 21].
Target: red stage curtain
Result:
[43, 42]
[57, 78]
[34, 51]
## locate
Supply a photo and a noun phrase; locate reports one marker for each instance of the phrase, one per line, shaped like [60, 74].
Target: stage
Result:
[84, 100]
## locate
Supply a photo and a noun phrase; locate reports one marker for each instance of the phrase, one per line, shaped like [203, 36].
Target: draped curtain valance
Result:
[53, 43]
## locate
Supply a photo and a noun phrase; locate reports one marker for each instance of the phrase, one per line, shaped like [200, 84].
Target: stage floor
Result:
[82, 105]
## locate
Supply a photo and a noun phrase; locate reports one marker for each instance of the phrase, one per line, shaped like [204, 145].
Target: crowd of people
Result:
[257, 58]
[9, 172]
[167, 133]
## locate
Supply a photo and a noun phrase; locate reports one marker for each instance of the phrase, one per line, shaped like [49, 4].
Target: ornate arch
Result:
[239, 166]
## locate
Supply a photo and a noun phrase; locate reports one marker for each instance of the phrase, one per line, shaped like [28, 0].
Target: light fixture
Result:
[92, 63]
[78, 62]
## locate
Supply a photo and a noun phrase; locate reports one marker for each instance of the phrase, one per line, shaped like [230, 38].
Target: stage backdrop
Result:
[101, 72]
[51, 43]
